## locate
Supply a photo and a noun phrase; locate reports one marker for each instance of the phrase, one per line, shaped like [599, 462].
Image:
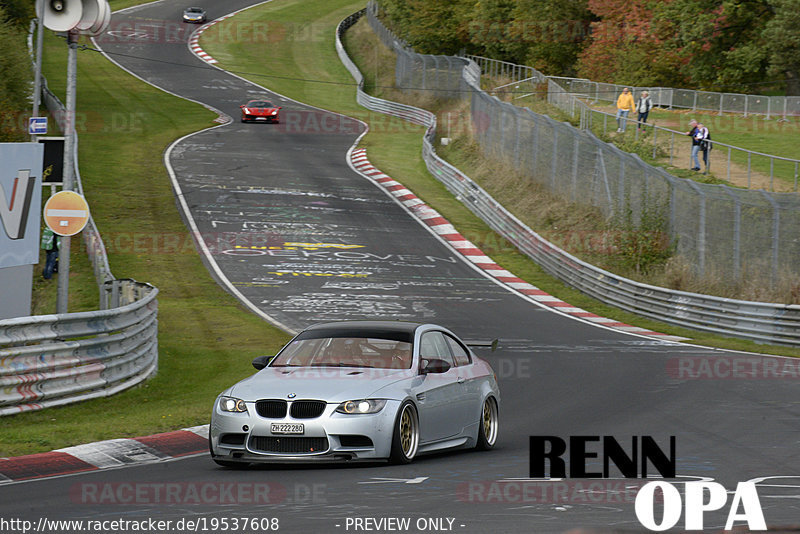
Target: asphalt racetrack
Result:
[304, 238]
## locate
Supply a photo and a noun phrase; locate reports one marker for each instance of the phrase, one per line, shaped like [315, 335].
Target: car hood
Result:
[324, 383]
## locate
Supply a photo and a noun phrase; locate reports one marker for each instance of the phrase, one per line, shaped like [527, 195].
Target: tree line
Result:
[16, 74]
[749, 46]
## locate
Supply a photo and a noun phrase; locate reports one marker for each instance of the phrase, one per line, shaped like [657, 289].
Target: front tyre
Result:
[405, 440]
[488, 426]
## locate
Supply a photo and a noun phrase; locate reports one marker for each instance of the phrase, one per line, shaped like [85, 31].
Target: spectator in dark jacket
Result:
[643, 107]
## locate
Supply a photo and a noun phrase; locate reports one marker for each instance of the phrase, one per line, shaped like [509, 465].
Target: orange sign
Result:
[66, 213]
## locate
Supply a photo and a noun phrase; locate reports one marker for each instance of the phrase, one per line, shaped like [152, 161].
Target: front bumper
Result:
[260, 118]
[330, 437]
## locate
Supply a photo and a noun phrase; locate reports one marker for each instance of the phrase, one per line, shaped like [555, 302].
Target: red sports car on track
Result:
[260, 110]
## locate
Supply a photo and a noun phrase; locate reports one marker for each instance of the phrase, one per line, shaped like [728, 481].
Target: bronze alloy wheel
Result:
[489, 425]
[405, 441]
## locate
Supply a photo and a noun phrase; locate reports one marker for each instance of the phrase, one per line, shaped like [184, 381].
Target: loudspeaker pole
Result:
[62, 296]
[37, 88]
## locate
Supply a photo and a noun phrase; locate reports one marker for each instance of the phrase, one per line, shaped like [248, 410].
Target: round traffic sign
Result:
[66, 213]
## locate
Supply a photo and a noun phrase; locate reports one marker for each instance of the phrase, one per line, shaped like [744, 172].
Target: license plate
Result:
[261, 118]
[286, 428]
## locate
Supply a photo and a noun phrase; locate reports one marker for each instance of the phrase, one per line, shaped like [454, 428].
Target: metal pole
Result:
[37, 87]
[62, 296]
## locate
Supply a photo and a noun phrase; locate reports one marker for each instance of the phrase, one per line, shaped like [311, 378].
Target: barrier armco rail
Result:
[51, 360]
[758, 321]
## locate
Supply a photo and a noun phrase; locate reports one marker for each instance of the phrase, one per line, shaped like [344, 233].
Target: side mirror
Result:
[262, 361]
[242, 106]
[435, 366]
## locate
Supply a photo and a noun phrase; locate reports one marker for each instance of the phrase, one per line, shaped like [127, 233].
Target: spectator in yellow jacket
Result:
[625, 105]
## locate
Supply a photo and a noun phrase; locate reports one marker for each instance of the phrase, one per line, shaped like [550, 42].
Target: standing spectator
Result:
[50, 244]
[705, 144]
[625, 105]
[643, 106]
[697, 136]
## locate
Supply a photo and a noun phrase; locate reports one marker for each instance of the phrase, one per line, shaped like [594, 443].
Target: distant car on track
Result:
[196, 15]
[358, 390]
[260, 110]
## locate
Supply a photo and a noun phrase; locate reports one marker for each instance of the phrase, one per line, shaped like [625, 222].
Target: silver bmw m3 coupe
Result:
[358, 390]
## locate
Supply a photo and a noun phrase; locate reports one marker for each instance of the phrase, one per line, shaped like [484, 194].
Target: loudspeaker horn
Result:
[91, 10]
[60, 15]
[95, 18]
[103, 21]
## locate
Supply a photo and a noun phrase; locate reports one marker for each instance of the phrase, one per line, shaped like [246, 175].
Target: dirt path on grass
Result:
[682, 149]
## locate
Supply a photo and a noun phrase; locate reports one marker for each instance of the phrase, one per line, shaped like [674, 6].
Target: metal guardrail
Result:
[763, 322]
[570, 100]
[51, 360]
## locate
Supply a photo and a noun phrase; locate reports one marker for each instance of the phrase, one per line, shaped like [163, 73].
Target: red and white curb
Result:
[194, 44]
[447, 231]
[109, 454]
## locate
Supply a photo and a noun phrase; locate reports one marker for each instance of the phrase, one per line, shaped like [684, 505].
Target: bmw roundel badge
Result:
[291, 395]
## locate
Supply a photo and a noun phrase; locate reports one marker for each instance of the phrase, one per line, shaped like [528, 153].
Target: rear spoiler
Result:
[483, 344]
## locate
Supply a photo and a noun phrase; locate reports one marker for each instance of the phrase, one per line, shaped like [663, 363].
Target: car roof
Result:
[397, 330]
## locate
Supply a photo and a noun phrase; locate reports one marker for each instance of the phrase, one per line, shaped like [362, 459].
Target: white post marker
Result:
[66, 213]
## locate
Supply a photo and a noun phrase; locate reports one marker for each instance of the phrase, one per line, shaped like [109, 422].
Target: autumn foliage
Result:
[732, 45]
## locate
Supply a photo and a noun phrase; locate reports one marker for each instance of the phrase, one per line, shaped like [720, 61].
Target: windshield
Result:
[345, 352]
[259, 104]
[194, 10]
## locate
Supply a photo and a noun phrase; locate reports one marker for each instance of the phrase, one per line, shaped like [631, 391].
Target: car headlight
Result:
[275, 112]
[361, 406]
[232, 404]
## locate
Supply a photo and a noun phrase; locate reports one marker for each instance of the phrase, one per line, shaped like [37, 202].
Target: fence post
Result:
[776, 221]
[535, 159]
[655, 142]
[518, 121]
[575, 149]
[737, 231]
[701, 228]
[555, 158]
[501, 144]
